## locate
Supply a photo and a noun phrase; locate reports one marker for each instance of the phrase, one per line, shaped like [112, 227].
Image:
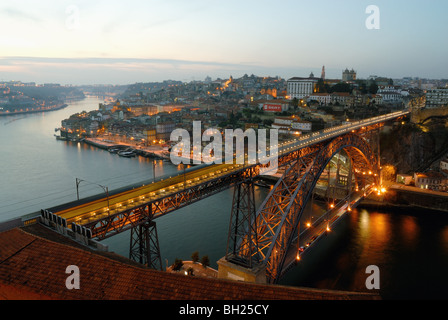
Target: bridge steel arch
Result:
[277, 219]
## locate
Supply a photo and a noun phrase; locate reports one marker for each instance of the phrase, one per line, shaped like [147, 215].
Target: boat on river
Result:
[128, 153]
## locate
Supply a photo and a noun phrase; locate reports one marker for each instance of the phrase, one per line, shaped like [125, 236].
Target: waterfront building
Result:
[164, 130]
[431, 180]
[405, 179]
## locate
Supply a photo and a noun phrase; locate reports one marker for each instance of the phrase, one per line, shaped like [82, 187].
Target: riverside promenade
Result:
[401, 196]
[155, 151]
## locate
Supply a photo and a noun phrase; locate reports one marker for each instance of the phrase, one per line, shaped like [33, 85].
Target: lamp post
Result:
[78, 181]
[154, 170]
[105, 189]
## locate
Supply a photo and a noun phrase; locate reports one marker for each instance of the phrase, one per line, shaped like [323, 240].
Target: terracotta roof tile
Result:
[32, 267]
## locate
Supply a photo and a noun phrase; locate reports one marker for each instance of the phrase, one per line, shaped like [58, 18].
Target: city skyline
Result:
[78, 42]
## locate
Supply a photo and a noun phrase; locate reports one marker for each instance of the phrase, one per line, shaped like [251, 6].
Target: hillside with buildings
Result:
[417, 151]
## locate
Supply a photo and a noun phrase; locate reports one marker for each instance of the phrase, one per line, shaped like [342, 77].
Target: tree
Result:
[373, 88]
[268, 122]
[294, 103]
[205, 261]
[195, 257]
[321, 86]
[341, 87]
[177, 265]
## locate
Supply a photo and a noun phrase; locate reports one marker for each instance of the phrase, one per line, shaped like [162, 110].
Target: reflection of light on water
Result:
[410, 230]
[364, 225]
[444, 236]
[380, 228]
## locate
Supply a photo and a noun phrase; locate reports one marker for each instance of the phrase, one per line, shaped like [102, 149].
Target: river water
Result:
[410, 248]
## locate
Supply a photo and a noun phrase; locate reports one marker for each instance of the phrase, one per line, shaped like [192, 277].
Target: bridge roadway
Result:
[106, 206]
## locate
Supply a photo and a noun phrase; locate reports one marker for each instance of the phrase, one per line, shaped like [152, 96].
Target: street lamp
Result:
[105, 189]
[185, 183]
[154, 170]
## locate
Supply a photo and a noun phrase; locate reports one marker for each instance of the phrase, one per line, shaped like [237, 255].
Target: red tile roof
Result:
[33, 266]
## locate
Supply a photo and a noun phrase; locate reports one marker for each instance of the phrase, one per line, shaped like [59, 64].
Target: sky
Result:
[120, 42]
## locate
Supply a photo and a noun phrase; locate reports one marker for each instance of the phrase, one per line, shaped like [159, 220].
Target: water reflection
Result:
[444, 239]
[410, 231]
[410, 249]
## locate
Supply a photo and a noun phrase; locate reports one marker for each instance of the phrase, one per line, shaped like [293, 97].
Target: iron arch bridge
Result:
[266, 236]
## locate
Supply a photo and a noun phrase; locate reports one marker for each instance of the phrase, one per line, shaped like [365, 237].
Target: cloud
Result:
[116, 70]
[18, 14]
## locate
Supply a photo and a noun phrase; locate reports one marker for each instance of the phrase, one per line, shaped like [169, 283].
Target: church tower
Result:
[322, 76]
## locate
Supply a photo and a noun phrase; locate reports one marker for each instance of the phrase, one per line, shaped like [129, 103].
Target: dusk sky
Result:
[122, 42]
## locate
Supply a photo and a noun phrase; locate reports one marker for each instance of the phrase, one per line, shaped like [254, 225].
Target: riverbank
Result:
[34, 111]
[407, 198]
[151, 151]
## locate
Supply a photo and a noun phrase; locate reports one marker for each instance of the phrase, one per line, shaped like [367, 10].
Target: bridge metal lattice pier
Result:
[278, 218]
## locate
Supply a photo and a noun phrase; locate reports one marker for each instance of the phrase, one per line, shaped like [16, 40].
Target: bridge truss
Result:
[270, 231]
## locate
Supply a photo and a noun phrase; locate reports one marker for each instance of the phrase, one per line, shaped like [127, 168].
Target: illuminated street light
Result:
[105, 189]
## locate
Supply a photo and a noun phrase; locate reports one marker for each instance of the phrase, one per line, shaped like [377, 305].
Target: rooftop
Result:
[430, 175]
[33, 261]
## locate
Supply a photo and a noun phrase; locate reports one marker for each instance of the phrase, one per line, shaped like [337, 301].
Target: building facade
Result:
[324, 99]
[273, 106]
[349, 75]
[431, 180]
[300, 88]
[436, 98]
[301, 125]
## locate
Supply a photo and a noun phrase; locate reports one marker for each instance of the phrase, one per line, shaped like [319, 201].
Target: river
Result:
[37, 172]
